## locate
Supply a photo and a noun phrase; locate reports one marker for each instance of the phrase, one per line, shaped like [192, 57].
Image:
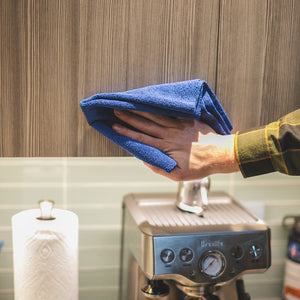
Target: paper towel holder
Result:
[46, 207]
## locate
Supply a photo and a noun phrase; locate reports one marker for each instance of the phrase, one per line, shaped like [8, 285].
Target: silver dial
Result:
[212, 263]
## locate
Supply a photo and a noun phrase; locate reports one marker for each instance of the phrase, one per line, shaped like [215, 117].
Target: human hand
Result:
[196, 148]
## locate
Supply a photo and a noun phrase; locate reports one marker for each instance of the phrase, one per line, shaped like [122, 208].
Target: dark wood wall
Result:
[54, 53]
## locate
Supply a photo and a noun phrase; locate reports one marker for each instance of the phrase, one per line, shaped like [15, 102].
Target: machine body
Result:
[171, 254]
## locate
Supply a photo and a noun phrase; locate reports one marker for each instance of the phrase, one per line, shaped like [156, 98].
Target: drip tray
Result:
[157, 213]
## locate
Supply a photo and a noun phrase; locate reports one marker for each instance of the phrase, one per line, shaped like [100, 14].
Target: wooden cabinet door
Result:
[55, 53]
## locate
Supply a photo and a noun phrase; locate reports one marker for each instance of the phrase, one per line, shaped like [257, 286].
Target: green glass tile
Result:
[100, 237]
[6, 215]
[113, 172]
[94, 189]
[99, 278]
[221, 188]
[274, 272]
[104, 215]
[6, 237]
[7, 295]
[30, 170]
[237, 176]
[278, 251]
[30, 195]
[270, 192]
[112, 194]
[99, 257]
[224, 178]
[264, 289]
[278, 232]
[98, 294]
[278, 212]
[6, 260]
[6, 280]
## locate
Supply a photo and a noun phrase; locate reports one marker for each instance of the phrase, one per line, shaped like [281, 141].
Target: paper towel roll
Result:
[45, 254]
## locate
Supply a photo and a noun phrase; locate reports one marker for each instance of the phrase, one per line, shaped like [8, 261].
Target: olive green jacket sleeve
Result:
[274, 147]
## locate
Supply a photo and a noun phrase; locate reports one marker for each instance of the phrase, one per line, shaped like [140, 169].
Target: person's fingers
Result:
[174, 175]
[138, 136]
[140, 123]
[158, 170]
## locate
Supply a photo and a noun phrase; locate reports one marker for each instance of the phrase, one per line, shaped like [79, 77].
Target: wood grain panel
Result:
[241, 57]
[171, 41]
[102, 63]
[13, 84]
[52, 78]
[258, 60]
[142, 43]
[281, 84]
[38, 78]
[55, 53]
[205, 41]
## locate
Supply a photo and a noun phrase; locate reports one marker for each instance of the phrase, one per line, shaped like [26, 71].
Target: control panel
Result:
[211, 258]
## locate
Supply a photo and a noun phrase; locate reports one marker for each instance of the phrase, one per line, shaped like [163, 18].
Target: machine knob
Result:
[186, 255]
[167, 256]
[255, 251]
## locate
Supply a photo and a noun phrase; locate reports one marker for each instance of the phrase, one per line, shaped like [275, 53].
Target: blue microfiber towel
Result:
[189, 99]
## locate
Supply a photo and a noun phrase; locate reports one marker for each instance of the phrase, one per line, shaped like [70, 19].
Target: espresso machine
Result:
[193, 244]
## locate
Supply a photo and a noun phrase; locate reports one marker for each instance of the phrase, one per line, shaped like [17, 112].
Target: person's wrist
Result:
[230, 161]
[224, 159]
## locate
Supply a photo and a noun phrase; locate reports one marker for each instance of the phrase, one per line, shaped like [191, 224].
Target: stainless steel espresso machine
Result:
[170, 254]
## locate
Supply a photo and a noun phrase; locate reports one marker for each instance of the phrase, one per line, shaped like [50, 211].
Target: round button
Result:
[167, 255]
[186, 255]
[255, 251]
[237, 252]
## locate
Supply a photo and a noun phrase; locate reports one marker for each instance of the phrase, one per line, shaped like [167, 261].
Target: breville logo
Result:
[217, 243]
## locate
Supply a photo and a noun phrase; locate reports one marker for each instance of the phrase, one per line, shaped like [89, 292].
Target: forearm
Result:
[217, 152]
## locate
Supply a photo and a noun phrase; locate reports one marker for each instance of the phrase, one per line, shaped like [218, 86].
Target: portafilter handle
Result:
[155, 289]
[192, 195]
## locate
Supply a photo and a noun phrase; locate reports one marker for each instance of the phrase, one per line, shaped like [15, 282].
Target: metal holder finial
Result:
[46, 207]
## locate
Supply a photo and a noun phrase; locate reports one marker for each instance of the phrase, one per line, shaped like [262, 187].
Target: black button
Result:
[237, 252]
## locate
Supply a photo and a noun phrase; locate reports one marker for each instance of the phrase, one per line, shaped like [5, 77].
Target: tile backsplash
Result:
[93, 188]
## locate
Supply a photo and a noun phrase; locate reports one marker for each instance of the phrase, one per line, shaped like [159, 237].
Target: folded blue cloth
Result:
[189, 99]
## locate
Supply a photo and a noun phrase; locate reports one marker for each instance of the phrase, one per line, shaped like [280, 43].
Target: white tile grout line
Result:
[86, 184]
[96, 268]
[105, 228]
[117, 205]
[262, 281]
[81, 289]
[96, 288]
[279, 243]
[133, 183]
[80, 248]
[231, 184]
[279, 298]
[80, 269]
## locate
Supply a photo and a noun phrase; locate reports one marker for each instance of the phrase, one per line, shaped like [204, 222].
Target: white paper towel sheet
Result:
[45, 254]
